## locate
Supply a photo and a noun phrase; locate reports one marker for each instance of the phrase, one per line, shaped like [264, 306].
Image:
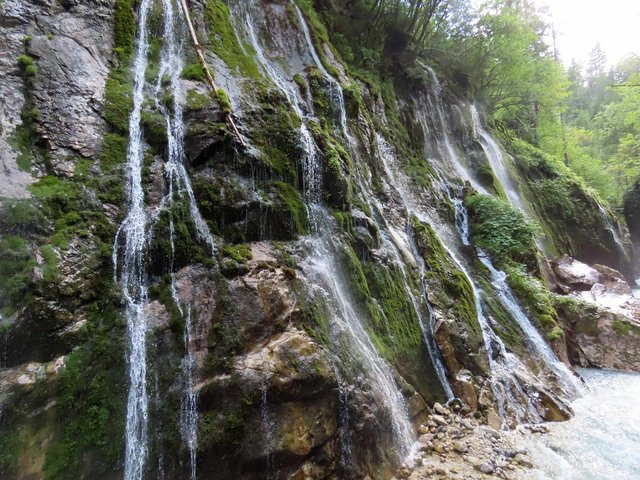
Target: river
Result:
[602, 441]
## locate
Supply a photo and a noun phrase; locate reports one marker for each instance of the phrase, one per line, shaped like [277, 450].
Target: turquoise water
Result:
[602, 441]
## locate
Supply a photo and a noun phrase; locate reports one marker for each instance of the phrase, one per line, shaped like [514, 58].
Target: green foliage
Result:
[223, 40]
[91, 403]
[499, 229]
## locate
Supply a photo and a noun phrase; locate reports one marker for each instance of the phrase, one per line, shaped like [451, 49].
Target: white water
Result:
[498, 162]
[132, 272]
[247, 16]
[602, 440]
[189, 406]
[323, 267]
[613, 230]
[538, 347]
[445, 156]
[137, 230]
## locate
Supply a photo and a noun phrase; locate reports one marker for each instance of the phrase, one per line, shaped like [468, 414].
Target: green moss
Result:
[621, 328]
[397, 331]
[197, 100]
[275, 131]
[8, 452]
[155, 127]
[578, 313]
[535, 296]
[91, 403]
[239, 253]
[449, 287]
[124, 29]
[25, 61]
[224, 42]
[291, 198]
[22, 142]
[16, 263]
[336, 168]
[50, 267]
[223, 100]
[195, 72]
[118, 100]
[113, 153]
[21, 217]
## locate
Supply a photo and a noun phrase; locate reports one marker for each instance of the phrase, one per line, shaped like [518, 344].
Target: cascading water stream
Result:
[136, 233]
[394, 243]
[500, 169]
[133, 277]
[611, 228]
[189, 406]
[323, 266]
[497, 160]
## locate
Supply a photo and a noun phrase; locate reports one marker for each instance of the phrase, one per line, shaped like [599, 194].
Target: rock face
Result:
[601, 314]
[280, 394]
[59, 101]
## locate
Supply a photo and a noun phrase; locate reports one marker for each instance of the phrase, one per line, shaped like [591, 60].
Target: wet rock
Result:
[574, 275]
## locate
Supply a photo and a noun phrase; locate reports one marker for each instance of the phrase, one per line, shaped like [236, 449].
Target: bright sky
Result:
[580, 24]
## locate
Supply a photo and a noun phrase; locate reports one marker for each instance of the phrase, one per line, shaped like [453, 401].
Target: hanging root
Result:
[219, 94]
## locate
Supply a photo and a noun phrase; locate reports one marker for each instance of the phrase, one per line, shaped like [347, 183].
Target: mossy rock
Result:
[451, 295]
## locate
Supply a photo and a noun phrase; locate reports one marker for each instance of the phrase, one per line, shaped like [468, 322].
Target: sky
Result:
[580, 24]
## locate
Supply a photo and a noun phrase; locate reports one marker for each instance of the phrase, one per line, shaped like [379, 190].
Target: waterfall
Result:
[337, 94]
[136, 232]
[323, 266]
[133, 276]
[611, 228]
[267, 430]
[498, 162]
[188, 410]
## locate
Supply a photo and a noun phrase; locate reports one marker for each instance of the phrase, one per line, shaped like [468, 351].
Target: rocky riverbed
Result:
[455, 445]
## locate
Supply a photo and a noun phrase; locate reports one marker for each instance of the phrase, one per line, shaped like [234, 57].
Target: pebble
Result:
[439, 420]
[523, 460]
[440, 409]
[486, 467]
[460, 447]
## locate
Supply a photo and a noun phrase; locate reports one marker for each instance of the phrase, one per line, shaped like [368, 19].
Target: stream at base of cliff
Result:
[602, 441]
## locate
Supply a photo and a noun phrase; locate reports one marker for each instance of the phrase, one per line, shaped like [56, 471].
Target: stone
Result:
[439, 420]
[523, 460]
[439, 409]
[460, 447]
[426, 438]
[487, 467]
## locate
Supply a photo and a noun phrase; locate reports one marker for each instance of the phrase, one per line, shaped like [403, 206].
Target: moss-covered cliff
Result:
[283, 390]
